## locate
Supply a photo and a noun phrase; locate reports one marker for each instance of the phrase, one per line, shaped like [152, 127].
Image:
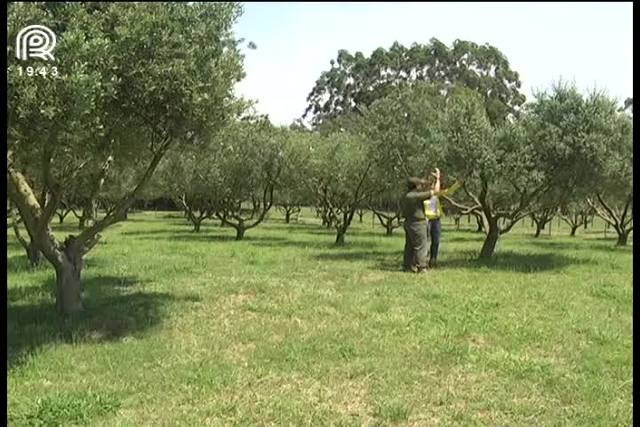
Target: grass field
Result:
[185, 329]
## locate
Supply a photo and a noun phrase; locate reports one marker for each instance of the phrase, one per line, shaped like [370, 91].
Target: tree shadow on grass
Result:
[347, 255]
[503, 261]
[111, 313]
[466, 237]
[229, 236]
[281, 225]
[514, 261]
[20, 263]
[13, 244]
[605, 245]
[326, 244]
[202, 236]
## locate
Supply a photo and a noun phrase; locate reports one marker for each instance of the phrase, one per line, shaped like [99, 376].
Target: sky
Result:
[590, 44]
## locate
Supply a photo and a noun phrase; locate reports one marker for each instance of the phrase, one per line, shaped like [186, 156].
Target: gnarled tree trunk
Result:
[240, 233]
[574, 228]
[68, 284]
[33, 253]
[490, 241]
[623, 236]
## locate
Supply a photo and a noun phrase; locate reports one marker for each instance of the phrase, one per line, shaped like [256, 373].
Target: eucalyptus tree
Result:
[355, 81]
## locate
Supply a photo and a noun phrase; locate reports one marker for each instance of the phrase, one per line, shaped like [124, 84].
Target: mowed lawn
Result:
[283, 328]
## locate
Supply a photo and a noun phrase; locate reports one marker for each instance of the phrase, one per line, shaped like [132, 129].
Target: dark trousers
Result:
[415, 245]
[433, 232]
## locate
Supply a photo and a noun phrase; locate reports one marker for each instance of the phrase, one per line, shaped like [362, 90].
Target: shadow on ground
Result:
[503, 261]
[605, 245]
[20, 263]
[111, 313]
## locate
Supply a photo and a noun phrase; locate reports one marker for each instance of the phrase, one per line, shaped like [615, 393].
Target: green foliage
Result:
[574, 135]
[248, 162]
[355, 81]
[297, 146]
[131, 77]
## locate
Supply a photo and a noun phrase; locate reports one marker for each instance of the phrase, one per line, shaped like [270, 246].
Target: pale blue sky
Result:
[589, 43]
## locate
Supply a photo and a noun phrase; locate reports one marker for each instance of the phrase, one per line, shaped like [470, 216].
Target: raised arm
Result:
[419, 195]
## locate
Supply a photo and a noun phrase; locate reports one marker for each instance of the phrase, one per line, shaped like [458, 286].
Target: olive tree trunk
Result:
[490, 241]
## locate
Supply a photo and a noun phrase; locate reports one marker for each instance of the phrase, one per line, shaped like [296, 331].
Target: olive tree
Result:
[503, 175]
[338, 178]
[585, 141]
[292, 193]
[575, 213]
[613, 198]
[249, 161]
[134, 80]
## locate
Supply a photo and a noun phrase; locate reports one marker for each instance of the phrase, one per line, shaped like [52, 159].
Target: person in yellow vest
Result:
[415, 225]
[433, 213]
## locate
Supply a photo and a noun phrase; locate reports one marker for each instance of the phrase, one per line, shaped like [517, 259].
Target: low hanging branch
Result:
[489, 215]
[620, 219]
[542, 217]
[196, 211]
[231, 210]
[574, 219]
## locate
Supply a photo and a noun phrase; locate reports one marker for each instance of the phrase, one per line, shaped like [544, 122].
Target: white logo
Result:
[35, 41]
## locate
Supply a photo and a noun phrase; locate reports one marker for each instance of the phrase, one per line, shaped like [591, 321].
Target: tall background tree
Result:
[355, 81]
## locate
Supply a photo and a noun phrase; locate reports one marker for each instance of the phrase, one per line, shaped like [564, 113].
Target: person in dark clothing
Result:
[415, 225]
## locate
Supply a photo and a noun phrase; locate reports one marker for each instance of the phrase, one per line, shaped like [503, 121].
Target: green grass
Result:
[185, 329]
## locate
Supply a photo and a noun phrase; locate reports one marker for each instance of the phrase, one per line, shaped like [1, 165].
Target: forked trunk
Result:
[623, 237]
[240, 232]
[574, 228]
[389, 229]
[68, 284]
[61, 217]
[539, 229]
[34, 255]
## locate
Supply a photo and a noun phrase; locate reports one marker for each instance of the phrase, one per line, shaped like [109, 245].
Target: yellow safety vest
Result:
[433, 207]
